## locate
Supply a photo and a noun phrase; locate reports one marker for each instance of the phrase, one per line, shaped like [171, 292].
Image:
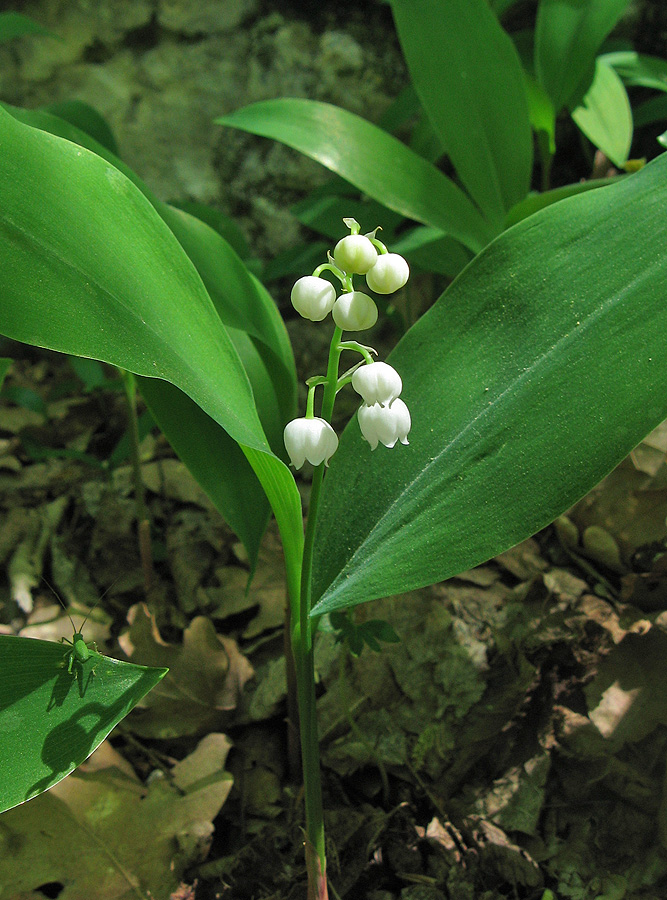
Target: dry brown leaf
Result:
[207, 673]
[101, 833]
[267, 589]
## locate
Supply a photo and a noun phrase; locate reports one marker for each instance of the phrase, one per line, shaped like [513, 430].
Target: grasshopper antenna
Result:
[92, 608]
[57, 596]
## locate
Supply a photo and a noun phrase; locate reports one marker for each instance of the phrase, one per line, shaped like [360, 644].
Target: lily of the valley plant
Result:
[383, 418]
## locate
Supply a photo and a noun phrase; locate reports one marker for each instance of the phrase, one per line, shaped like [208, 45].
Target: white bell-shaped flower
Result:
[385, 424]
[313, 297]
[310, 439]
[355, 311]
[389, 273]
[377, 382]
[355, 254]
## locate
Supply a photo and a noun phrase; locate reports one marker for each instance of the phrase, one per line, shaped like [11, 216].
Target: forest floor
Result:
[511, 745]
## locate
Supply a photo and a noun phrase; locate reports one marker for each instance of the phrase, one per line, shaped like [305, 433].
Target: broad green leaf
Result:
[123, 291]
[239, 300]
[653, 110]
[638, 69]
[245, 309]
[423, 139]
[218, 221]
[568, 35]
[297, 260]
[285, 500]
[431, 250]
[213, 458]
[534, 374]
[542, 115]
[604, 115]
[13, 25]
[403, 108]
[326, 214]
[469, 80]
[501, 7]
[374, 161]
[86, 118]
[52, 720]
[534, 202]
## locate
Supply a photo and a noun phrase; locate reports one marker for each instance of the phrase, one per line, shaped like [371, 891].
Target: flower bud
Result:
[355, 311]
[377, 383]
[313, 297]
[355, 254]
[389, 273]
[310, 439]
[386, 424]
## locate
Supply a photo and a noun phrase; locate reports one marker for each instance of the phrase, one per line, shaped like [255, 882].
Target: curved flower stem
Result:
[305, 664]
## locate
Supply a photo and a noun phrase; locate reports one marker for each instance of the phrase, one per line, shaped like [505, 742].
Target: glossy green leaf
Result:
[123, 291]
[604, 115]
[374, 161]
[534, 374]
[86, 118]
[218, 221]
[52, 720]
[214, 459]
[248, 312]
[469, 80]
[535, 202]
[432, 251]
[326, 214]
[13, 25]
[239, 300]
[650, 111]
[638, 69]
[568, 35]
[501, 7]
[542, 115]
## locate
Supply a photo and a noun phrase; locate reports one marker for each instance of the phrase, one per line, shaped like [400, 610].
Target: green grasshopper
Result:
[80, 651]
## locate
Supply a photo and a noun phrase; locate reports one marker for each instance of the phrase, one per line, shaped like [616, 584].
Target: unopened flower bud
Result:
[355, 254]
[389, 273]
[310, 439]
[385, 424]
[355, 311]
[313, 297]
[377, 382]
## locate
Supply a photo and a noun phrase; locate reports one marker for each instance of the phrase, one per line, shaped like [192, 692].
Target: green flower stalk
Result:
[383, 418]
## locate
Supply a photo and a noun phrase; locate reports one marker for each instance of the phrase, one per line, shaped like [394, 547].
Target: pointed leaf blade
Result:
[475, 100]
[374, 161]
[535, 373]
[51, 720]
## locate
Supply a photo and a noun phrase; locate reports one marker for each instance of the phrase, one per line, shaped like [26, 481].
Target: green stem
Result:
[143, 521]
[305, 662]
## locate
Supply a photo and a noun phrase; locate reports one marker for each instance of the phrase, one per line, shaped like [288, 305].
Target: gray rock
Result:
[204, 16]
